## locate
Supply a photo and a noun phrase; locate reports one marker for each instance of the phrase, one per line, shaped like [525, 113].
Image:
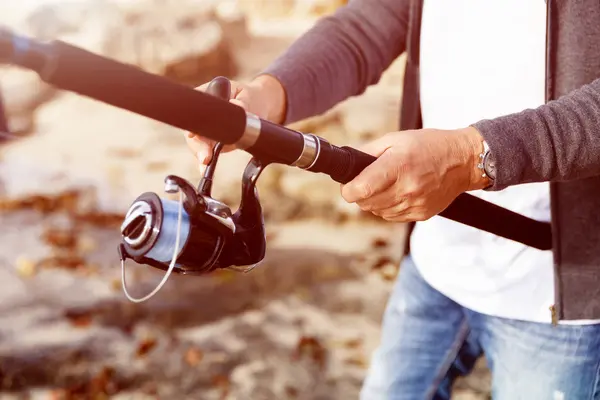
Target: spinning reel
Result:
[198, 234]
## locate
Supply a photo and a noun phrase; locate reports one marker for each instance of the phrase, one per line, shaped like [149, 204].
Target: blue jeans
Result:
[429, 340]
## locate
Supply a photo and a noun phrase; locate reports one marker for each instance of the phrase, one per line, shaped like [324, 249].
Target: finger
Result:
[192, 135]
[202, 150]
[408, 214]
[199, 138]
[202, 168]
[382, 201]
[235, 89]
[203, 87]
[395, 211]
[239, 102]
[374, 179]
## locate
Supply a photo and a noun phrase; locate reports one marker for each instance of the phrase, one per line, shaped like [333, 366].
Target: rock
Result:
[233, 21]
[316, 189]
[369, 116]
[184, 42]
[85, 23]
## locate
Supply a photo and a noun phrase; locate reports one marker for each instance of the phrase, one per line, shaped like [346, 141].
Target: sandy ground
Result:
[300, 326]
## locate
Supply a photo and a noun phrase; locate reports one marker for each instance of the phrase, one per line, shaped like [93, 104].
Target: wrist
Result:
[275, 95]
[474, 148]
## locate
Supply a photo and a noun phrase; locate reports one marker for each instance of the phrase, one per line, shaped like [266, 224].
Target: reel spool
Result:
[197, 234]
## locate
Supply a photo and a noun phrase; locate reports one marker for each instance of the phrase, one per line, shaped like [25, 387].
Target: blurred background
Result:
[302, 325]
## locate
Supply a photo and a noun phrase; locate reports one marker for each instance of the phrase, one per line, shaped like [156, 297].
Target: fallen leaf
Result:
[86, 244]
[381, 262]
[26, 268]
[90, 270]
[303, 293]
[193, 356]
[389, 272]
[61, 238]
[311, 346]
[353, 343]
[361, 258]
[79, 319]
[145, 347]
[379, 243]
[100, 219]
[67, 261]
[124, 152]
[116, 284]
[100, 387]
[150, 388]
[222, 382]
[157, 166]
[357, 361]
[389, 277]
[341, 217]
[102, 383]
[329, 271]
[42, 203]
[347, 343]
[291, 391]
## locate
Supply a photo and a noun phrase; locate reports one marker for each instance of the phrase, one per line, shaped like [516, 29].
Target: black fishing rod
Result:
[130, 88]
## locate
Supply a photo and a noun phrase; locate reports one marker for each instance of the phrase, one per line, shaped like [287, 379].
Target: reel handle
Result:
[219, 87]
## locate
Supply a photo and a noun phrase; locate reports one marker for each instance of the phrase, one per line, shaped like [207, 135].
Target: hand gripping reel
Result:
[198, 234]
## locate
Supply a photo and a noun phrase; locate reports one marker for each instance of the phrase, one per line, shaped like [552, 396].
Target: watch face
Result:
[489, 166]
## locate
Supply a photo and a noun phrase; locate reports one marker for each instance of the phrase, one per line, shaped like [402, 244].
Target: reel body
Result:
[211, 237]
[197, 234]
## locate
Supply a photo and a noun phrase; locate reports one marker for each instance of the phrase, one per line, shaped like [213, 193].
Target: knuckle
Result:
[413, 188]
[422, 214]
[365, 207]
[365, 190]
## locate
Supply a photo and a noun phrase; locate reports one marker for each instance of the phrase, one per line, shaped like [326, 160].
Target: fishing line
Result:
[171, 266]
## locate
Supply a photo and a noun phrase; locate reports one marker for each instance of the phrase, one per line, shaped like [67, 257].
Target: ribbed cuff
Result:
[504, 151]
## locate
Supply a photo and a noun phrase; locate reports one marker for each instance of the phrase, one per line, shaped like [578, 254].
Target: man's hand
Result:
[264, 96]
[418, 173]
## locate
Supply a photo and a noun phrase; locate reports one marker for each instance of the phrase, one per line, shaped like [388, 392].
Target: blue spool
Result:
[165, 243]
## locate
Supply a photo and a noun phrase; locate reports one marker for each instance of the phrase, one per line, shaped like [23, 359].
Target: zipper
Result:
[555, 309]
[553, 314]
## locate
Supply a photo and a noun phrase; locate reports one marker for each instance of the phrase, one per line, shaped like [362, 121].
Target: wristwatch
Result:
[487, 164]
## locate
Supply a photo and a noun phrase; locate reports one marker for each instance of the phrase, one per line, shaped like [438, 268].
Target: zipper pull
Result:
[554, 315]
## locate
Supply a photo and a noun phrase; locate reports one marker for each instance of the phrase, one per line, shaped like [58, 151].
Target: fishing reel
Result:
[197, 234]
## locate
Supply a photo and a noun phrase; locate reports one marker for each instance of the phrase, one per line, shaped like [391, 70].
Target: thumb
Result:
[375, 178]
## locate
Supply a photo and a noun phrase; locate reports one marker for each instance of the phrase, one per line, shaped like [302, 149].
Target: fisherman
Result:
[501, 99]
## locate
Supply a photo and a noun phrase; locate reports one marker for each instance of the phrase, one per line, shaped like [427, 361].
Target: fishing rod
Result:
[201, 234]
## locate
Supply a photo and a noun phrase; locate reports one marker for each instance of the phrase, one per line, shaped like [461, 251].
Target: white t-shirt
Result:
[483, 59]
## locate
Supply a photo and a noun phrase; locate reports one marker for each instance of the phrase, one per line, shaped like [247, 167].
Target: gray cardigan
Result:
[558, 142]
